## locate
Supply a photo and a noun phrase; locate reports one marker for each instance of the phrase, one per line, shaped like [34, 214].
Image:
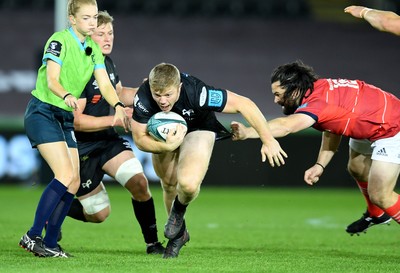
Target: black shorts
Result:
[209, 122]
[91, 165]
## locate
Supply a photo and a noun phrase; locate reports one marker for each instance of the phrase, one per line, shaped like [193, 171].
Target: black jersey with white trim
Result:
[97, 106]
[197, 104]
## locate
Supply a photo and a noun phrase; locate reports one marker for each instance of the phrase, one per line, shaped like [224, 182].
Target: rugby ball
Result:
[161, 123]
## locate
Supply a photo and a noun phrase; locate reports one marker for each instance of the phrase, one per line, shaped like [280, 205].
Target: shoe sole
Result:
[387, 222]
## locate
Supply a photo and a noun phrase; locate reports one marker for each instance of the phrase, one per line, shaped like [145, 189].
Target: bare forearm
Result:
[384, 20]
[87, 123]
[127, 95]
[329, 146]
[147, 144]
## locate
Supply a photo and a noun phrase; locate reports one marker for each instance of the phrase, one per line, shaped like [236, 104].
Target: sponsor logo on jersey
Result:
[87, 184]
[214, 98]
[187, 112]
[203, 96]
[96, 99]
[127, 144]
[138, 104]
[54, 48]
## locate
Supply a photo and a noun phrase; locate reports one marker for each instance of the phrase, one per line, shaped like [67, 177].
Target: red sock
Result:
[394, 211]
[374, 211]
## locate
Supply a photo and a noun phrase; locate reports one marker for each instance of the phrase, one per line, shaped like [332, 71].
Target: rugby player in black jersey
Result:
[103, 151]
[182, 160]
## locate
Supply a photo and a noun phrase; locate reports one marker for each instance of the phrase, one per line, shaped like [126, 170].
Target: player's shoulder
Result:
[57, 38]
[108, 59]
[191, 83]
[143, 94]
[188, 79]
[144, 87]
[110, 65]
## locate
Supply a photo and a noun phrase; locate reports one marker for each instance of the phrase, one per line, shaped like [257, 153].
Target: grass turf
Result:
[232, 230]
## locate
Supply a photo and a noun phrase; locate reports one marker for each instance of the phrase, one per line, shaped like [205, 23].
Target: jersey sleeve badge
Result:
[54, 48]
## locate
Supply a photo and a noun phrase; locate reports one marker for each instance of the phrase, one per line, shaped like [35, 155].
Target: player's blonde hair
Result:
[74, 5]
[164, 75]
[104, 18]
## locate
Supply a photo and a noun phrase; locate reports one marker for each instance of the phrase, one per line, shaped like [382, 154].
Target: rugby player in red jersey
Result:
[341, 107]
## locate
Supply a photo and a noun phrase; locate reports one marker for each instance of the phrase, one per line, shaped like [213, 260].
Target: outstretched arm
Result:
[249, 110]
[279, 127]
[382, 20]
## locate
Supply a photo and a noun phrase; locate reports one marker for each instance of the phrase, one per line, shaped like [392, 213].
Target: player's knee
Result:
[70, 180]
[189, 189]
[351, 169]
[74, 186]
[168, 186]
[138, 186]
[97, 205]
[356, 171]
[128, 170]
[100, 216]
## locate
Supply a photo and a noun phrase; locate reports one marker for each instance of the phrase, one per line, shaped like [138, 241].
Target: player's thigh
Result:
[382, 178]
[60, 160]
[385, 166]
[165, 166]
[114, 154]
[194, 157]
[359, 163]
[113, 164]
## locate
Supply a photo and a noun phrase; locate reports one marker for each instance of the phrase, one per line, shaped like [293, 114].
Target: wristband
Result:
[66, 95]
[119, 104]
[323, 168]
[364, 12]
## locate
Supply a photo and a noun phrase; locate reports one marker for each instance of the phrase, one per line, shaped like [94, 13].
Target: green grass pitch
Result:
[231, 229]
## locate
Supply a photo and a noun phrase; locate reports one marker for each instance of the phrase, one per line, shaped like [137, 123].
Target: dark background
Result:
[233, 44]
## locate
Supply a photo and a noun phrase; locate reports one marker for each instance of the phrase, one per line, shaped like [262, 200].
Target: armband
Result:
[364, 12]
[119, 104]
[66, 95]
[322, 166]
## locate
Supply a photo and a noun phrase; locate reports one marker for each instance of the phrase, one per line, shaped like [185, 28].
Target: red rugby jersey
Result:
[352, 108]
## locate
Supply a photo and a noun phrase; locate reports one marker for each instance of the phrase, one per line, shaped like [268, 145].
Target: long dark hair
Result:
[295, 77]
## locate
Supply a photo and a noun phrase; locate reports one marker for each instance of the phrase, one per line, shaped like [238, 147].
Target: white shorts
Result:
[361, 146]
[387, 149]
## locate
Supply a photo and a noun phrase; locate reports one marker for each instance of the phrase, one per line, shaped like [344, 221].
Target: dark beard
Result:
[289, 107]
